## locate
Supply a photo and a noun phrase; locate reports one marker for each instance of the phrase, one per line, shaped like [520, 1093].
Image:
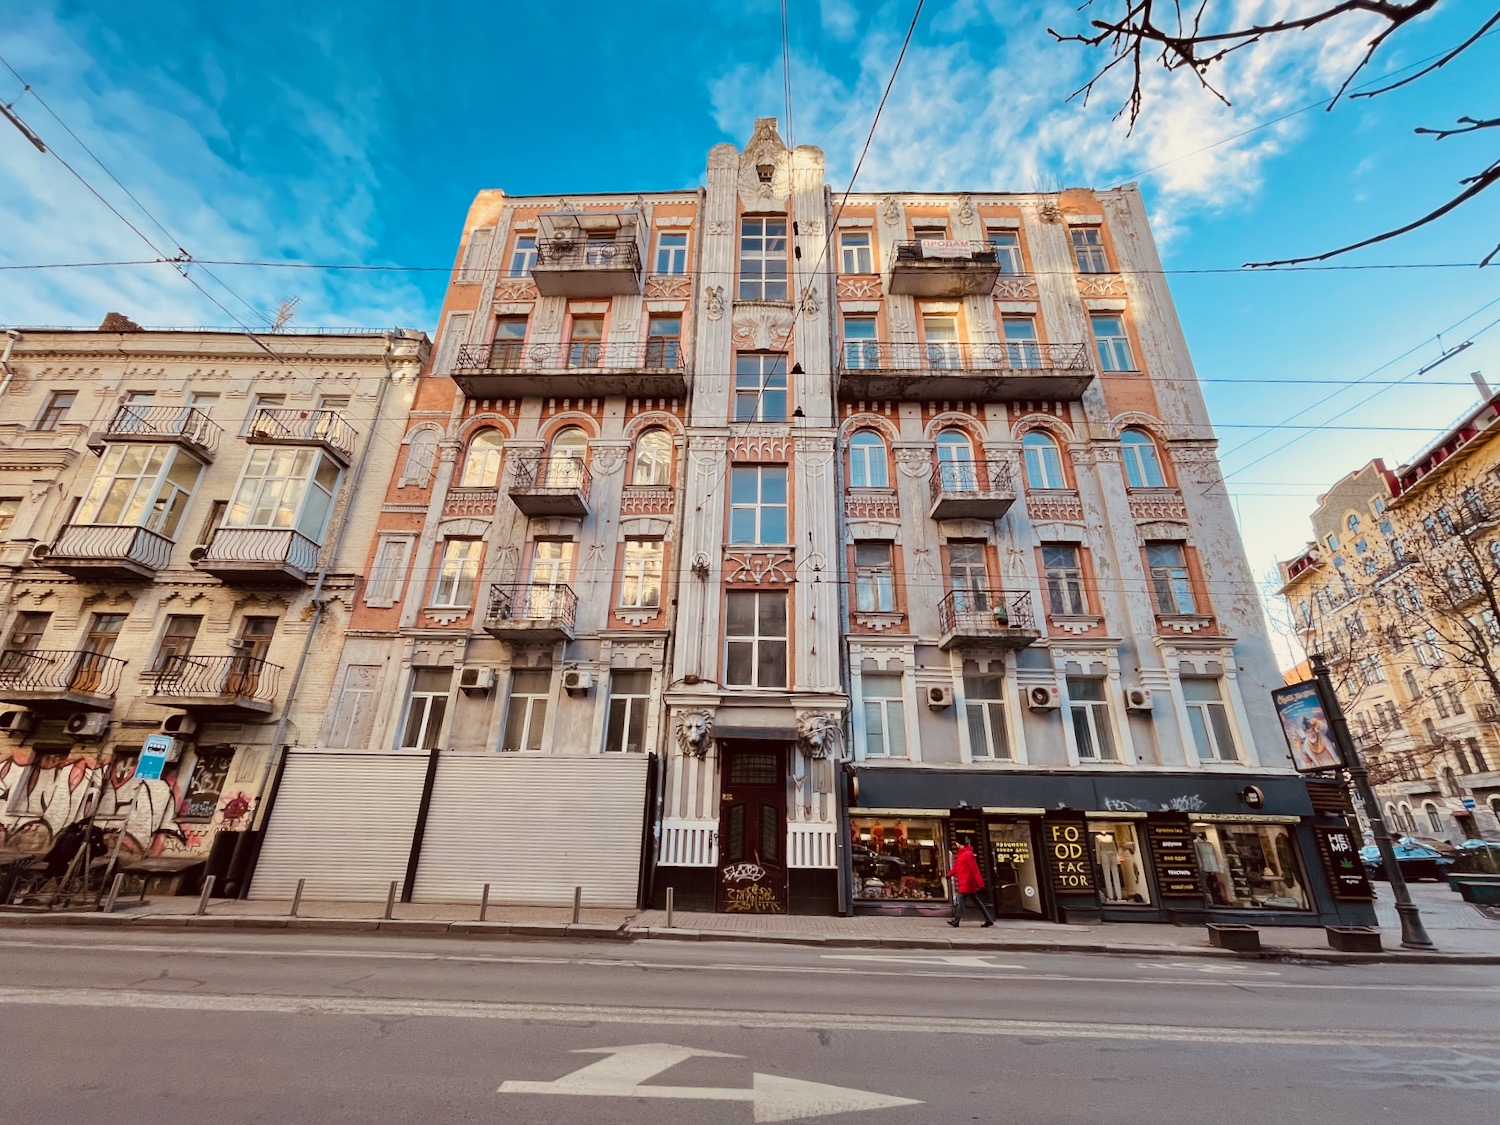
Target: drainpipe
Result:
[319, 603]
[11, 336]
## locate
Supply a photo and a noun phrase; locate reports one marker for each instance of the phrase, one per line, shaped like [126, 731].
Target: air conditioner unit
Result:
[1137, 699]
[1043, 698]
[87, 724]
[17, 721]
[476, 678]
[576, 680]
[179, 723]
[939, 697]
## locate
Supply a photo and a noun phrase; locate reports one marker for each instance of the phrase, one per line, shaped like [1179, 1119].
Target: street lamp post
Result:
[1413, 933]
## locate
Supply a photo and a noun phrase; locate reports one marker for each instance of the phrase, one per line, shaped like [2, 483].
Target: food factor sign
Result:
[1068, 859]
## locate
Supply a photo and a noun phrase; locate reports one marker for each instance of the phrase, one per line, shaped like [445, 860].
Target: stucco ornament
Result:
[695, 731]
[820, 734]
[713, 301]
[966, 210]
[890, 208]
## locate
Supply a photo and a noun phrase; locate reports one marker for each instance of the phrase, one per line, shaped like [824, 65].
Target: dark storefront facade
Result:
[1075, 847]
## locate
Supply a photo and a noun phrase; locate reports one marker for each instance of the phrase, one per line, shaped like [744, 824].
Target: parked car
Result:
[1475, 856]
[1417, 861]
[1442, 847]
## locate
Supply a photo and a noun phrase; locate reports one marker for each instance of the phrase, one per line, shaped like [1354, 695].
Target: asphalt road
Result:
[172, 1029]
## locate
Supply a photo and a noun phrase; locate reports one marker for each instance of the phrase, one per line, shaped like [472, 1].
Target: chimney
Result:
[1484, 388]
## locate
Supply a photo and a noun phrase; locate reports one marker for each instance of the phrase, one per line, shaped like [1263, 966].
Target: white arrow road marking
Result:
[968, 960]
[772, 1097]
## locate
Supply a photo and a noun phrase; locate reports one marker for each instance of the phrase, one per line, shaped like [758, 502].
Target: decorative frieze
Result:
[1014, 287]
[862, 506]
[475, 502]
[1157, 504]
[1101, 285]
[760, 568]
[647, 501]
[762, 325]
[858, 287]
[1058, 506]
[774, 449]
[514, 289]
[664, 286]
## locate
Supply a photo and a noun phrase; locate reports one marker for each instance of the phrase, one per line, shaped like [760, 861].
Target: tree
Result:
[1140, 34]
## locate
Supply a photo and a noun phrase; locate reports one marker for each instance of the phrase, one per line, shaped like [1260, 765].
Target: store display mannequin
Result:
[1211, 866]
[1108, 854]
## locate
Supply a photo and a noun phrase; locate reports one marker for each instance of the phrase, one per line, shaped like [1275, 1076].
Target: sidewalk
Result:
[1462, 934]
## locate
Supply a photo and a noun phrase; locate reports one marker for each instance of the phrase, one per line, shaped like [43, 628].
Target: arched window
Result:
[1495, 808]
[955, 461]
[565, 466]
[1142, 462]
[421, 454]
[867, 461]
[482, 461]
[1044, 467]
[1434, 821]
[1450, 782]
[1408, 826]
[653, 458]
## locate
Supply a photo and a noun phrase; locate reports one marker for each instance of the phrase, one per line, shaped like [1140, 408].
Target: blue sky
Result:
[279, 131]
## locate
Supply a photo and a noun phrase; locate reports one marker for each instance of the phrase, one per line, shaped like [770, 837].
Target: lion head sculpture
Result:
[695, 732]
[819, 733]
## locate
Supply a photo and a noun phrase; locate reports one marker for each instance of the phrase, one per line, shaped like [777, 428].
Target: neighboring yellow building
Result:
[1400, 589]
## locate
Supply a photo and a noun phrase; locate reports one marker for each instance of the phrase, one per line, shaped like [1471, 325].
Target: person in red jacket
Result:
[967, 883]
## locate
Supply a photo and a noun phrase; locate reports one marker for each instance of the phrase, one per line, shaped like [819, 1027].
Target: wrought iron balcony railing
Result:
[172, 423]
[871, 355]
[302, 427]
[232, 679]
[48, 671]
[105, 544]
[269, 546]
[946, 251]
[986, 611]
[588, 355]
[524, 602]
[581, 252]
[972, 478]
[543, 473]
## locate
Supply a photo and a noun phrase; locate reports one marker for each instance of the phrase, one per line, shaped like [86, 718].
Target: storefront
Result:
[1080, 847]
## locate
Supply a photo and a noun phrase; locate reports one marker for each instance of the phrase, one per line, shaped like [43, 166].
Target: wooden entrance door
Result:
[752, 831]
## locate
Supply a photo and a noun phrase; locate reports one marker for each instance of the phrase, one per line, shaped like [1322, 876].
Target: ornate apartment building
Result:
[1400, 590]
[759, 546]
[182, 522]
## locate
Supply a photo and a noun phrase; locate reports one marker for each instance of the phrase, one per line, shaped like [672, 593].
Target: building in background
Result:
[1400, 590]
[182, 521]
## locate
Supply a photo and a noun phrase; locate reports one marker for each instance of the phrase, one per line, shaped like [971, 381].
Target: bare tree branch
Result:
[1438, 65]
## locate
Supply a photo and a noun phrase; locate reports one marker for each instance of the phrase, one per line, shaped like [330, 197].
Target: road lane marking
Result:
[622, 1071]
[966, 960]
[863, 1023]
[1214, 968]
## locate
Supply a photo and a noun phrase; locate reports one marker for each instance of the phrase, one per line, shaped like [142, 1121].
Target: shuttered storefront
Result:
[534, 827]
[343, 822]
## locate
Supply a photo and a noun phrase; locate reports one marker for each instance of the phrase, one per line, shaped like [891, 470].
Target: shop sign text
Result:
[1068, 857]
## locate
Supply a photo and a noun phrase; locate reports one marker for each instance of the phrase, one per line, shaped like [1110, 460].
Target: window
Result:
[56, 409]
[212, 521]
[425, 708]
[868, 467]
[760, 387]
[1044, 466]
[968, 576]
[177, 637]
[253, 420]
[1250, 865]
[1142, 464]
[1434, 821]
[285, 486]
[586, 341]
[986, 715]
[640, 585]
[140, 486]
[565, 466]
[1021, 347]
[940, 339]
[523, 256]
[27, 631]
[885, 716]
[955, 455]
[458, 573]
[1091, 727]
[874, 578]
[1088, 250]
[763, 260]
[1428, 653]
[388, 575]
[1007, 247]
[756, 639]
[132, 416]
[421, 455]
[1062, 570]
[898, 858]
[526, 716]
[1170, 583]
[204, 402]
[451, 340]
[671, 252]
[1209, 719]
[861, 352]
[507, 349]
[1480, 765]
[758, 504]
[653, 458]
[625, 728]
[1111, 343]
[855, 252]
[9, 506]
[930, 230]
[482, 460]
[663, 341]
[551, 564]
[1122, 863]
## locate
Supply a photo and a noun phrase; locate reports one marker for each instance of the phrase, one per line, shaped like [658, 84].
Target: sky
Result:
[277, 132]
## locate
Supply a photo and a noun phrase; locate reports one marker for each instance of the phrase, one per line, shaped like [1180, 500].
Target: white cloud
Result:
[840, 18]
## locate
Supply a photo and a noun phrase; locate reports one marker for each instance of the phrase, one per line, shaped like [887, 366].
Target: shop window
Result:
[986, 715]
[1122, 865]
[868, 466]
[898, 859]
[526, 715]
[425, 708]
[874, 578]
[1208, 716]
[210, 773]
[482, 460]
[629, 696]
[755, 639]
[653, 458]
[1092, 731]
[1251, 866]
[885, 716]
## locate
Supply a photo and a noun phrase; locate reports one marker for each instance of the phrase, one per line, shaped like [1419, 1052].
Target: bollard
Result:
[114, 892]
[297, 898]
[484, 902]
[669, 908]
[577, 903]
[390, 901]
[208, 889]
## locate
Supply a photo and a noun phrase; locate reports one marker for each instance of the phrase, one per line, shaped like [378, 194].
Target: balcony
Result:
[870, 371]
[327, 429]
[653, 368]
[257, 556]
[59, 678]
[943, 268]
[589, 255]
[101, 551]
[532, 611]
[180, 425]
[981, 490]
[232, 686]
[986, 618]
[550, 486]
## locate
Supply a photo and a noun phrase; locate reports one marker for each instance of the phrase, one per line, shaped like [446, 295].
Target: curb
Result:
[424, 927]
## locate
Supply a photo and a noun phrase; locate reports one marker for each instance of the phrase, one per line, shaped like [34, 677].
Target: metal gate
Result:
[343, 822]
[534, 828]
